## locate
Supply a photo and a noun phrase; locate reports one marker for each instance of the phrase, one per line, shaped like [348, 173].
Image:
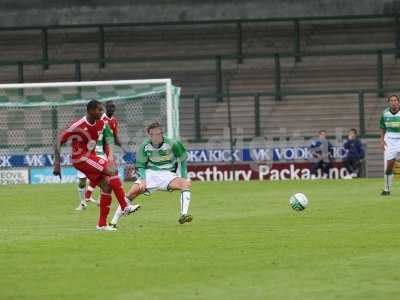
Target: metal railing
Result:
[238, 23]
[219, 83]
[360, 94]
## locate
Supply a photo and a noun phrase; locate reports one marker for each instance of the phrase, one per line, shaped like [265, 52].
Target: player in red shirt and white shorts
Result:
[109, 118]
[83, 135]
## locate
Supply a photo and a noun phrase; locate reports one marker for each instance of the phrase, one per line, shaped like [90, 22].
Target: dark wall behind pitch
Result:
[46, 12]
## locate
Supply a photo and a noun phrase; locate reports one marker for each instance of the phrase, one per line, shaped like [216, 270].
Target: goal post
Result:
[33, 113]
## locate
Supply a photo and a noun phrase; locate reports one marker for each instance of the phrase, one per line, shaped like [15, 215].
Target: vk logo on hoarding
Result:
[47, 160]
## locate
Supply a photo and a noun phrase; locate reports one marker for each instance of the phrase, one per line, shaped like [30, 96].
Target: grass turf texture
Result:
[244, 243]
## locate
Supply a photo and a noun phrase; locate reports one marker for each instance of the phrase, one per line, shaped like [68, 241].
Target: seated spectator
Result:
[322, 152]
[354, 154]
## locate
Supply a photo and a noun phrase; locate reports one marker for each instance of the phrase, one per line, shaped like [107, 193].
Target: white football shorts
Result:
[392, 148]
[158, 180]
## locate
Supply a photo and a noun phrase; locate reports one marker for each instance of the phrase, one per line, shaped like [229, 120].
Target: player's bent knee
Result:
[187, 184]
[136, 190]
[184, 184]
[142, 190]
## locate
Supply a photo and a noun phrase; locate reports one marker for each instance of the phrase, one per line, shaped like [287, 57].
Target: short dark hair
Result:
[394, 95]
[354, 130]
[92, 104]
[153, 126]
[108, 102]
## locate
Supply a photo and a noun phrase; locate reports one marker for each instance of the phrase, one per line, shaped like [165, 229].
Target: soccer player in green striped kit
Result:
[390, 139]
[161, 164]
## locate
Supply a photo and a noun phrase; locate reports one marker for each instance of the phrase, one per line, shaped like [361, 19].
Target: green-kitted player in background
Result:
[161, 164]
[390, 139]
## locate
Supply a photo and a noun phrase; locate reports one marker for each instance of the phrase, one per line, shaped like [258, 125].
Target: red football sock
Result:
[105, 202]
[116, 186]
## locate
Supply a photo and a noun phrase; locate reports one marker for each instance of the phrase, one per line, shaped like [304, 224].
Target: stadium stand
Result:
[341, 71]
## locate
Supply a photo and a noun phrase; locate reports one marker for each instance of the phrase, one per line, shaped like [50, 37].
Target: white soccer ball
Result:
[298, 202]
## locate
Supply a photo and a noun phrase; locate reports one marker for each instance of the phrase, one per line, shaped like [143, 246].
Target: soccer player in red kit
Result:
[83, 135]
[107, 117]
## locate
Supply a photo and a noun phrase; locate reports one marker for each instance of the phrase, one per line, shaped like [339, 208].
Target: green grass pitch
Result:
[244, 243]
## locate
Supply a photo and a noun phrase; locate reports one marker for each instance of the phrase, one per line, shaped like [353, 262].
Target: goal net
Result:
[33, 114]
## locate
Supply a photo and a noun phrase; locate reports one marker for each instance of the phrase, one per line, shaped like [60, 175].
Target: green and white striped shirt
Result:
[165, 157]
[390, 123]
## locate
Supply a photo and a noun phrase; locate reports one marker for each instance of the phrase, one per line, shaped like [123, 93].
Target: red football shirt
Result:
[83, 136]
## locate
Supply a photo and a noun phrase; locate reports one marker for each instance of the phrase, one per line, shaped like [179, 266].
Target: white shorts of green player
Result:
[392, 148]
[164, 181]
[155, 180]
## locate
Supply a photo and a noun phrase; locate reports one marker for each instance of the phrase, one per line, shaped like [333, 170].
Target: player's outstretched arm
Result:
[57, 156]
[181, 153]
[141, 163]
[57, 162]
[64, 136]
[183, 169]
